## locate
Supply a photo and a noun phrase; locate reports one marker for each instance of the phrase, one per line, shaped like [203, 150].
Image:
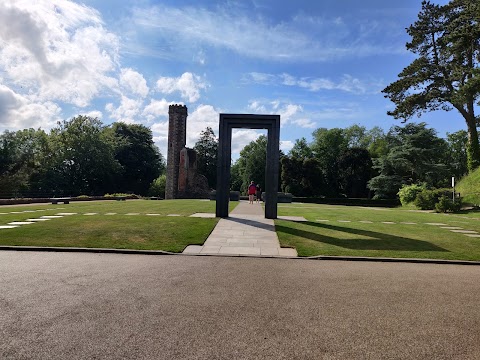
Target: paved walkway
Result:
[244, 232]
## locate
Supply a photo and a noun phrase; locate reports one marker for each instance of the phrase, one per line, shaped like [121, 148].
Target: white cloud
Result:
[288, 112]
[134, 82]
[94, 114]
[243, 137]
[302, 38]
[305, 123]
[198, 120]
[18, 112]
[156, 109]
[188, 84]
[286, 145]
[54, 53]
[346, 83]
[127, 111]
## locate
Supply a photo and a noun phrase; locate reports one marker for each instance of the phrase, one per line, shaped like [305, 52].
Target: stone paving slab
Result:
[292, 218]
[203, 215]
[244, 232]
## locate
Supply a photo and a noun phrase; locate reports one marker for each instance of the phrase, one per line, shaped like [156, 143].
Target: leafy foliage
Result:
[206, 148]
[416, 155]
[446, 73]
[408, 193]
[157, 187]
[139, 158]
[79, 156]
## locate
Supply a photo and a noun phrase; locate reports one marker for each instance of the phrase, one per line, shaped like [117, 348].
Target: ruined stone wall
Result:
[177, 138]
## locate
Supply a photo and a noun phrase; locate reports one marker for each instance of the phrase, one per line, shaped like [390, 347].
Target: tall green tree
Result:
[416, 155]
[301, 150]
[21, 158]
[140, 160]
[206, 148]
[84, 157]
[355, 170]
[327, 146]
[457, 153]
[446, 73]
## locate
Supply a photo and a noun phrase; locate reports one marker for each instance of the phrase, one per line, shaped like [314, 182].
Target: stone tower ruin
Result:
[177, 139]
[182, 178]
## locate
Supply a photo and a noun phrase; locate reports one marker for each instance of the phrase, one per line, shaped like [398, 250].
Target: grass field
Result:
[346, 231]
[111, 224]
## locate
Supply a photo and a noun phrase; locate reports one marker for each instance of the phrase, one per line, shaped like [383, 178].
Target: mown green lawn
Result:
[342, 234]
[115, 224]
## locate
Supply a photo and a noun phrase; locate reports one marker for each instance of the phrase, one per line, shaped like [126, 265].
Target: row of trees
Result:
[351, 162]
[79, 156]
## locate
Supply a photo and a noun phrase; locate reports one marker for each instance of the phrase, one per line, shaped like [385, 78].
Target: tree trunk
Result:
[473, 148]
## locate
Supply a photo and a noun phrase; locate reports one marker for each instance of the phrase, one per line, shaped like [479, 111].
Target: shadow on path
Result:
[377, 241]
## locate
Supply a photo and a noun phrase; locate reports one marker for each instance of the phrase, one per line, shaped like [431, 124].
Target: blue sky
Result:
[316, 63]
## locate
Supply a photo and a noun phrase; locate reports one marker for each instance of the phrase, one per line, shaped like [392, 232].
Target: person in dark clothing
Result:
[259, 193]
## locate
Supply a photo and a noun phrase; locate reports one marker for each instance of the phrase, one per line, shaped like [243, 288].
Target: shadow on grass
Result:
[377, 241]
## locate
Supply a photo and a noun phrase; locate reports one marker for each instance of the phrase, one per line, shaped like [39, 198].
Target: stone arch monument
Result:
[249, 121]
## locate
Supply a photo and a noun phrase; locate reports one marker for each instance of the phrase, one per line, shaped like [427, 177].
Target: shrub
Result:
[427, 199]
[157, 187]
[446, 204]
[408, 193]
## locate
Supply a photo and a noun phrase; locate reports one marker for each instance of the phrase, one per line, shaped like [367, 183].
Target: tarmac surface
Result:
[116, 306]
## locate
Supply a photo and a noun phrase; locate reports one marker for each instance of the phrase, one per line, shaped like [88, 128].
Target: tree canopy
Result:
[206, 148]
[446, 73]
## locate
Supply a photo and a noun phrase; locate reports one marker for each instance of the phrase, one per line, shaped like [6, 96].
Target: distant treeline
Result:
[80, 156]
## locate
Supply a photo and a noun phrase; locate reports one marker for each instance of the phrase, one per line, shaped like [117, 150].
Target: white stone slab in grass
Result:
[464, 231]
[21, 223]
[8, 226]
[174, 215]
[408, 223]
[152, 214]
[132, 214]
[3, 213]
[322, 220]
[109, 214]
[38, 219]
[451, 227]
[51, 217]
[15, 212]
[90, 214]
[344, 221]
[388, 222]
[28, 211]
[473, 235]
[203, 215]
[436, 224]
[366, 222]
[66, 214]
[293, 218]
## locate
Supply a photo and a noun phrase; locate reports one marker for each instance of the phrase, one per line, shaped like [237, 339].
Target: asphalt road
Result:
[113, 306]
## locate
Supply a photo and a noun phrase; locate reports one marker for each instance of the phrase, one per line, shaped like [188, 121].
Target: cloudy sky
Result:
[316, 63]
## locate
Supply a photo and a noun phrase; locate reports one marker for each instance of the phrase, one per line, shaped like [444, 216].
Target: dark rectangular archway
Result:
[248, 121]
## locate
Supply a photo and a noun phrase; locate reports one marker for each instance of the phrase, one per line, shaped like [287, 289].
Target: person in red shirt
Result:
[252, 189]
